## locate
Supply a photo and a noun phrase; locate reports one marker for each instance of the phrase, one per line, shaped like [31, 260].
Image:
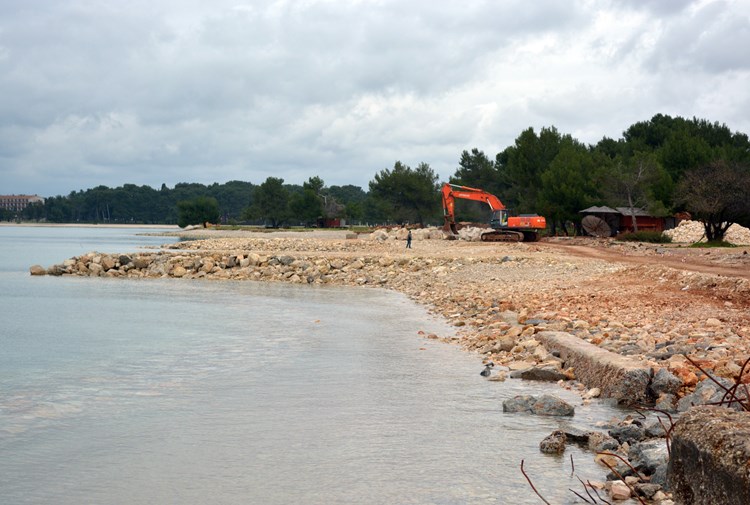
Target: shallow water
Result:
[174, 391]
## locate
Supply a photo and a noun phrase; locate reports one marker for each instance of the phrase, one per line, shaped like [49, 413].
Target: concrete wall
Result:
[710, 460]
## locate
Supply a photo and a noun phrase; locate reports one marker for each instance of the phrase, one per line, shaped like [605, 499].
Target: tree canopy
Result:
[543, 171]
[717, 195]
[407, 194]
[200, 210]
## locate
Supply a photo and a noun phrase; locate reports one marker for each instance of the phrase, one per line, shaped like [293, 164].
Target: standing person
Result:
[408, 240]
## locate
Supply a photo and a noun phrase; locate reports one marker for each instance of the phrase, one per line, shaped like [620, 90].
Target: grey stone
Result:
[647, 490]
[543, 373]
[654, 428]
[578, 436]
[535, 322]
[548, 405]
[647, 456]
[666, 402]
[629, 433]
[285, 260]
[705, 393]
[664, 382]
[545, 405]
[600, 442]
[520, 403]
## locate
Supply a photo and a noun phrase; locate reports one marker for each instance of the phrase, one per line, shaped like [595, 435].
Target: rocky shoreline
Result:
[528, 308]
[499, 296]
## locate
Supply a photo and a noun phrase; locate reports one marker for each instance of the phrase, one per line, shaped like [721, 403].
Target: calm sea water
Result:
[188, 392]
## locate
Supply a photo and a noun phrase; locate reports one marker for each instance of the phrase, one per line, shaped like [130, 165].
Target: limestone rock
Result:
[37, 270]
[619, 490]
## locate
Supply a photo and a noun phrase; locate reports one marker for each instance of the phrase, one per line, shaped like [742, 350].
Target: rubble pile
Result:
[693, 231]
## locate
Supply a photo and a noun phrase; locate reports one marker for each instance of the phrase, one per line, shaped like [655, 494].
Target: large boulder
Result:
[710, 452]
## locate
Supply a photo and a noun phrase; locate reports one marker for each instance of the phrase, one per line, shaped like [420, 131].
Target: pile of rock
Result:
[634, 450]
[430, 233]
[693, 231]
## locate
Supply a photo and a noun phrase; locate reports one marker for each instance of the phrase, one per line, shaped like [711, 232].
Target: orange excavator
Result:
[504, 229]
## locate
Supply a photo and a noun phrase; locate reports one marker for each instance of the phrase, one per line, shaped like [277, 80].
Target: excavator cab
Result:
[499, 219]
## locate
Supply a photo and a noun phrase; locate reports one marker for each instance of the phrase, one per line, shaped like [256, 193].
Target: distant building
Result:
[16, 203]
[620, 219]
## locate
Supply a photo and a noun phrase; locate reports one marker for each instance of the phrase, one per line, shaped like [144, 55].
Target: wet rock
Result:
[554, 443]
[548, 373]
[619, 490]
[545, 405]
[548, 405]
[578, 436]
[649, 455]
[629, 433]
[599, 442]
[519, 403]
[667, 403]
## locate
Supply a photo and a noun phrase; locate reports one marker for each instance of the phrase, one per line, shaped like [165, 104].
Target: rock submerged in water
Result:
[554, 443]
[545, 405]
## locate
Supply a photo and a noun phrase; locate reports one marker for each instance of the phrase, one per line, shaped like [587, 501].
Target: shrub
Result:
[654, 237]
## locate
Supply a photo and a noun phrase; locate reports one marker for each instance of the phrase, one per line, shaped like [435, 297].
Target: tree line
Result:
[663, 165]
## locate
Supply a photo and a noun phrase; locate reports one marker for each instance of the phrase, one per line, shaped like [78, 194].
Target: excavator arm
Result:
[453, 191]
[506, 229]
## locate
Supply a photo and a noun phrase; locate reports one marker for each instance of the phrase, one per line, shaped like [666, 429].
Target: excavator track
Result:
[502, 236]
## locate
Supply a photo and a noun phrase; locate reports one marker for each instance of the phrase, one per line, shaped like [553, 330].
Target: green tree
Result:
[635, 182]
[476, 170]
[270, 202]
[407, 194]
[521, 165]
[717, 195]
[201, 210]
[306, 207]
[569, 184]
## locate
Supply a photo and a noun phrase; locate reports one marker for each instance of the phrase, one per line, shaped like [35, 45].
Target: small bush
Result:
[654, 237]
[715, 243]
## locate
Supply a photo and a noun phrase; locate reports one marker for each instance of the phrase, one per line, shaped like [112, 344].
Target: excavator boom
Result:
[506, 229]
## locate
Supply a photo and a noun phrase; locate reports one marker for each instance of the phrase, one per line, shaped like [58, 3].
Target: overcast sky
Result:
[167, 91]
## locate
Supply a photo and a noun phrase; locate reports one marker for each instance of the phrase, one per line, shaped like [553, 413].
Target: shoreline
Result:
[499, 297]
[89, 225]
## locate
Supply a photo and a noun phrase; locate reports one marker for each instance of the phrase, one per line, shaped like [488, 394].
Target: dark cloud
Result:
[152, 92]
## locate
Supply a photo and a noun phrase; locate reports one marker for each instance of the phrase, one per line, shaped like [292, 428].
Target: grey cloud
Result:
[711, 39]
[170, 91]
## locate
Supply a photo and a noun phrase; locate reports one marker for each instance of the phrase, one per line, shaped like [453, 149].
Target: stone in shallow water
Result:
[554, 443]
[545, 405]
